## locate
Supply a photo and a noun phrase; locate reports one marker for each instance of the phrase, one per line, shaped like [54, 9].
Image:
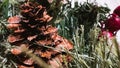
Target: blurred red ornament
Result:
[107, 34]
[112, 23]
[117, 11]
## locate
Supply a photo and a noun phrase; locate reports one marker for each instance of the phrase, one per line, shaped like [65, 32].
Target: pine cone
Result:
[31, 29]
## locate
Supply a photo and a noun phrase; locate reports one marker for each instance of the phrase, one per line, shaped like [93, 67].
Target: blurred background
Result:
[112, 4]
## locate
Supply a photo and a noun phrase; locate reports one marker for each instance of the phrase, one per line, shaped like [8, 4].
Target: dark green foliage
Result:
[86, 14]
[4, 8]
